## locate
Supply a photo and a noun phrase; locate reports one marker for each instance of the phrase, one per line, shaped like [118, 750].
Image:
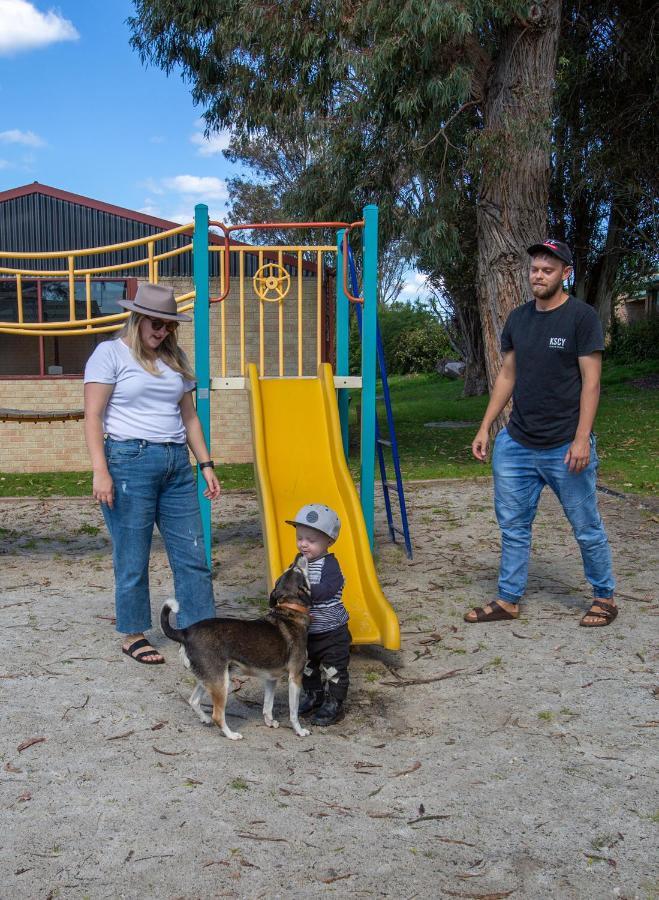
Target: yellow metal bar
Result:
[88, 299]
[62, 333]
[261, 326]
[299, 312]
[223, 324]
[150, 249]
[91, 251]
[63, 273]
[46, 273]
[156, 273]
[115, 267]
[72, 289]
[19, 297]
[37, 327]
[178, 251]
[319, 309]
[241, 278]
[280, 306]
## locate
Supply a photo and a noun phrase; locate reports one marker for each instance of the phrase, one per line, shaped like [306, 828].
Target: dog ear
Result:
[302, 564]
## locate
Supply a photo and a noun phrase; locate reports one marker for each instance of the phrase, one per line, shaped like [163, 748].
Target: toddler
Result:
[326, 678]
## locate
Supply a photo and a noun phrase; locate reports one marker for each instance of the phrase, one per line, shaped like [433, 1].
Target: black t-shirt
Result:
[547, 389]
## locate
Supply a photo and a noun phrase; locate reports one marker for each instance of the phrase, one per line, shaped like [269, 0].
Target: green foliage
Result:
[635, 342]
[627, 427]
[412, 337]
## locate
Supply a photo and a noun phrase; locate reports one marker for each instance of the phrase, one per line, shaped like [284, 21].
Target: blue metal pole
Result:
[342, 341]
[202, 353]
[369, 336]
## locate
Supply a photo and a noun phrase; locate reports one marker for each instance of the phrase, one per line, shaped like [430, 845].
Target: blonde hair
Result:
[169, 351]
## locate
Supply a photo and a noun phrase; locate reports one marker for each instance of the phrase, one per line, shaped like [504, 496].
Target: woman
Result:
[139, 421]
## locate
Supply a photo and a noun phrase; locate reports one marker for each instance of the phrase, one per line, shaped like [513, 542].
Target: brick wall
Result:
[60, 446]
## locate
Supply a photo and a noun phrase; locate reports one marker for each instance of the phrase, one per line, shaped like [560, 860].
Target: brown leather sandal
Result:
[498, 614]
[602, 610]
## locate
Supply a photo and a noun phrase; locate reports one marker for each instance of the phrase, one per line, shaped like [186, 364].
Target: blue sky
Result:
[79, 111]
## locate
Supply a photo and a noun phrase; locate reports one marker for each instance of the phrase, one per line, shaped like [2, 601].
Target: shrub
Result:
[635, 342]
[412, 337]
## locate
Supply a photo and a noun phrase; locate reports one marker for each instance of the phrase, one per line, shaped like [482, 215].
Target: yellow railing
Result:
[96, 324]
[274, 285]
[275, 256]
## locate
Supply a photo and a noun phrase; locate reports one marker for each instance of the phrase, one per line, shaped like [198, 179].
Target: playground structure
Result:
[299, 420]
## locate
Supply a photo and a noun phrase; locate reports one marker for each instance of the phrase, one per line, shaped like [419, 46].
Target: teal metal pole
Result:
[202, 353]
[342, 341]
[369, 348]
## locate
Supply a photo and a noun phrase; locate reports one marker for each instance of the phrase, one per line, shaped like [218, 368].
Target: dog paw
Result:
[233, 735]
[302, 732]
[272, 723]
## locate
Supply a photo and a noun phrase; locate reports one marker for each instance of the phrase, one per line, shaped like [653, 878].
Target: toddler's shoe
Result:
[310, 700]
[329, 713]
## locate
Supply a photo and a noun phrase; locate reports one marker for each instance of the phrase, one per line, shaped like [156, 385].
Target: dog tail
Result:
[174, 634]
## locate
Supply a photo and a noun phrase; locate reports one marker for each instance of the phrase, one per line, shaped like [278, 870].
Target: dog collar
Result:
[295, 606]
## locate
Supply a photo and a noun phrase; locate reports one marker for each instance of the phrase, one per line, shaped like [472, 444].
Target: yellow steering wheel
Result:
[272, 282]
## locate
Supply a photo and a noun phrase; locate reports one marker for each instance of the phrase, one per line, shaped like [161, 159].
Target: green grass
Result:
[627, 429]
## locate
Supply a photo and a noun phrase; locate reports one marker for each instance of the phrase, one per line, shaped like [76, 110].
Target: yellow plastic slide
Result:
[298, 458]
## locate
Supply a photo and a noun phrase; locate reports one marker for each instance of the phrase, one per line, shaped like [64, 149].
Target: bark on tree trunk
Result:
[600, 293]
[514, 188]
[475, 380]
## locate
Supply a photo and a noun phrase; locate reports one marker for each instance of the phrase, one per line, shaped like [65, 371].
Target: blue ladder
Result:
[381, 443]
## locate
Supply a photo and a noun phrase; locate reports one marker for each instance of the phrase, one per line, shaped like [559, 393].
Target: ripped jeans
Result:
[154, 485]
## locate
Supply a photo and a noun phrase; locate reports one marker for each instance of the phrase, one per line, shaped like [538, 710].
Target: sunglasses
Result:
[159, 324]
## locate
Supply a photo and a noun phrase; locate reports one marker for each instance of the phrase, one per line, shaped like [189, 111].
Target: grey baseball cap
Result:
[320, 517]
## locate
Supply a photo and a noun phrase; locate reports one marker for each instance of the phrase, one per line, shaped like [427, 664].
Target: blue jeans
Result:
[520, 474]
[154, 485]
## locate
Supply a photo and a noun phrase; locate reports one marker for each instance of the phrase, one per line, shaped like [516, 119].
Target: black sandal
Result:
[141, 657]
[602, 610]
[498, 614]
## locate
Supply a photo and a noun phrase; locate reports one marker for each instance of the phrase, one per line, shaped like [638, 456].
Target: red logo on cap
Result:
[550, 244]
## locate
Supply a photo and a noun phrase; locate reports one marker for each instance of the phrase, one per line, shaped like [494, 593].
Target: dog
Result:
[268, 647]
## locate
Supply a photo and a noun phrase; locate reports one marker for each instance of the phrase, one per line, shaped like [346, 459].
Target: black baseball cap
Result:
[556, 248]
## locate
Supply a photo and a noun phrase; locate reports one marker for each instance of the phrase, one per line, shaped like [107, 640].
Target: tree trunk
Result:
[475, 380]
[602, 284]
[514, 188]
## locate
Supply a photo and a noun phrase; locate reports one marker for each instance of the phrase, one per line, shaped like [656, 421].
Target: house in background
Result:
[44, 373]
[641, 305]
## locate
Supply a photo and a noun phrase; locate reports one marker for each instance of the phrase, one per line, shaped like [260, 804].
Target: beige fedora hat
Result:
[155, 300]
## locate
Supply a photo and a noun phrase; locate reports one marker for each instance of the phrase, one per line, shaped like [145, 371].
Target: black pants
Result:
[331, 650]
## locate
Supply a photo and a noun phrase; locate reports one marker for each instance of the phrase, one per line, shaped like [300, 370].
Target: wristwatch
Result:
[207, 465]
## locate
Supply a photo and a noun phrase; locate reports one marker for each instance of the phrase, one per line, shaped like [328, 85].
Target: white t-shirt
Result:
[142, 405]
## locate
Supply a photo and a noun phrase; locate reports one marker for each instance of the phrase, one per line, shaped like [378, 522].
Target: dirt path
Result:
[527, 774]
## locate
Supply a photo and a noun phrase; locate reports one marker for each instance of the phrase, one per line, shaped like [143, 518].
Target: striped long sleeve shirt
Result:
[327, 609]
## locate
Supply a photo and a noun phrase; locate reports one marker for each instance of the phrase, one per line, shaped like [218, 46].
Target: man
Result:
[552, 360]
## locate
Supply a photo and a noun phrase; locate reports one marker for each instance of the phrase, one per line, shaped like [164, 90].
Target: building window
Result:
[47, 300]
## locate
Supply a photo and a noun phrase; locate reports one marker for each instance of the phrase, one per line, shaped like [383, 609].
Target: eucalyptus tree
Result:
[388, 85]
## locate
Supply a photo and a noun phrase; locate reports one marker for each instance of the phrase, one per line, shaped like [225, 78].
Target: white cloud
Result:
[24, 27]
[415, 285]
[212, 145]
[174, 198]
[15, 136]
[198, 186]
[152, 186]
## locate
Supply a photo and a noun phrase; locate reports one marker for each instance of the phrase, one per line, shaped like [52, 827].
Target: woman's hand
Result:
[212, 491]
[103, 488]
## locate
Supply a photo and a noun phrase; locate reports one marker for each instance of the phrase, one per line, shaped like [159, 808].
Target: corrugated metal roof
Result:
[39, 218]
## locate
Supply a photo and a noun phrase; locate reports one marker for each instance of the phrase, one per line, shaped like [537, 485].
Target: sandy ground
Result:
[526, 772]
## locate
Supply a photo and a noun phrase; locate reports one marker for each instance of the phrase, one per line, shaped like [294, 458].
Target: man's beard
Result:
[543, 293]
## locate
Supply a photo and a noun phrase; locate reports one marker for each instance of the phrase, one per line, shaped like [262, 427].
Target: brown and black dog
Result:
[267, 647]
